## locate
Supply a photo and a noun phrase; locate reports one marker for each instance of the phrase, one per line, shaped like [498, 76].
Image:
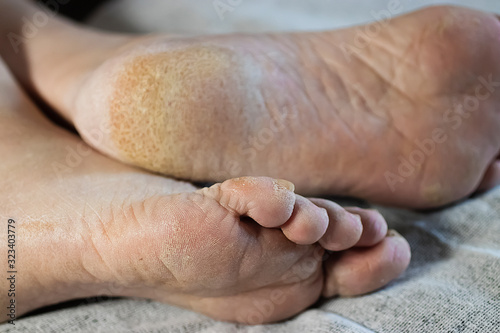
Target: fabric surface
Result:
[453, 282]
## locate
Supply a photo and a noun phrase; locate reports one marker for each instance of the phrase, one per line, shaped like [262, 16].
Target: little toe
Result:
[491, 177]
[344, 228]
[361, 270]
[270, 202]
[374, 226]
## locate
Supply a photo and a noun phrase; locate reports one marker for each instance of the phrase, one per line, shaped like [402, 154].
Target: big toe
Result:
[361, 270]
[270, 202]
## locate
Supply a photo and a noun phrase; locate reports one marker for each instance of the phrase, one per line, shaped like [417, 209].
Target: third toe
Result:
[344, 229]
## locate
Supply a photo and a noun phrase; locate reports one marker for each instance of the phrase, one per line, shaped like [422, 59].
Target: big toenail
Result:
[285, 183]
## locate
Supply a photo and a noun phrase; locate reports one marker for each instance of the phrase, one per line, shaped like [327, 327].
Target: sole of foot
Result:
[92, 226]
[397, 112]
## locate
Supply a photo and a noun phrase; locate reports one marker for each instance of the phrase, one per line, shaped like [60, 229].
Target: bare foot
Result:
[246, 250]
[408, 116]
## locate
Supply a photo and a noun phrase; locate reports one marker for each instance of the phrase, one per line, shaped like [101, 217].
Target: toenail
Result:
[286, 184]
[393, 233]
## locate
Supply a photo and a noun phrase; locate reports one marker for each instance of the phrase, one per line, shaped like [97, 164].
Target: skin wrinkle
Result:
[235, 203]
[332, 102]
[169, 250]
[134, 217]
[82, 261]
[337, 110]
[329, 63]
[246, 262]
[367, 109]
[406, 54]
[279, 111]
[306, 64]
[132, 209]
[221, 197]
[393, 76]
[397, 51]
[105, 233]
[303, 149]
[385, 80]
[347, 91]
[99, 218]
[370, 110]
[416, 46]
[172, 274]
[90, 241]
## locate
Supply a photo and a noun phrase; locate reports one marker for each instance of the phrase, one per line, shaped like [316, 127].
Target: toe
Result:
[344, 229]
[307, 224]
[491, 177]
[270, 202]
[362, 270]
[374, 226]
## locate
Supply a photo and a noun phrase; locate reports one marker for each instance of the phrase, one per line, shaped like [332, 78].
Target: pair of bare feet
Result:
[406, 116]
[247, 250]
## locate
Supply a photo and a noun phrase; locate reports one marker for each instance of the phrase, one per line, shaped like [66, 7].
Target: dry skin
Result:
[161, 105]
